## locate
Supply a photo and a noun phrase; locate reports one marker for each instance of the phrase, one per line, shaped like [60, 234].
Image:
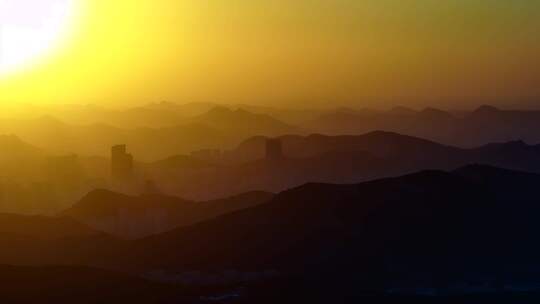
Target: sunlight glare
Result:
[30, 29]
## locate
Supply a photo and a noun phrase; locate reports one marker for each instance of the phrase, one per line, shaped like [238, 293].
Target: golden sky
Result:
[379, 53]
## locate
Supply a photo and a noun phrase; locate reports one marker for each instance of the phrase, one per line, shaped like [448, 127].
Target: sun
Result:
[31, 29]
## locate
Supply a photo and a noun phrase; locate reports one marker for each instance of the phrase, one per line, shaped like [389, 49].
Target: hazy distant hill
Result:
[145, 143]
[13, 148]
[193, 109]
[190, 109]
[330, 159]
[243, 123]
[47, 228]
[137, 216]
[152, 115]
[18, 158]
[414, 151]
[477, 220]
[34, 181]
[181, 162]
[450, 231]
[238, 121]
[174, 128]
[218, 128]
[489, 124]
[293, 117]
[486, 124]
[46, 183]
[382, 144]
[43, 183]
[272, 175]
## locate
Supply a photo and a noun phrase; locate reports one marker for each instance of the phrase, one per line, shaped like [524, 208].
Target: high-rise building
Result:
[274, 149]
[121, 164]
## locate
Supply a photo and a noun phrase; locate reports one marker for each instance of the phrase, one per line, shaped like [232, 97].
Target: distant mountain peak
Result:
[12, 139]
[100, 194]
[487, 109]
[383, 134]
[225, 112]
[435, 111]
[14, 147]
[401, 110]
[166, 103]
[132, 216]
[219, 110]
[49, 119]
[351, 111]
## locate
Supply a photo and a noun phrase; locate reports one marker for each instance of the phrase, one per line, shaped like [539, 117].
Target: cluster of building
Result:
[122, 162]
[273, 150]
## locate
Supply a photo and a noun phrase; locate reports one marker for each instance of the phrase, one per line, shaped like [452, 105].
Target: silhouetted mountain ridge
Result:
[331, 159]
[42, 227]
[475, 128]
[431, 229]
[135, 216]
[244, 123]
[306, 225]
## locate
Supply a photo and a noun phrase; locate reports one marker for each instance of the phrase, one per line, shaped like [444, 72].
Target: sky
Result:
[302, 53]
[25, 34]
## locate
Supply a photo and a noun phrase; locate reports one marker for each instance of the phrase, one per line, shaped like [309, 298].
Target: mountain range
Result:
[329, 159]
[43, 227]
[172, 129]
[442, 231]
[30, 172]
[219, 128]
[137, 216]
[468, 129]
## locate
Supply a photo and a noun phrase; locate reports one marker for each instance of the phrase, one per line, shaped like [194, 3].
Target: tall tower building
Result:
[274, 149]
[121, 164]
